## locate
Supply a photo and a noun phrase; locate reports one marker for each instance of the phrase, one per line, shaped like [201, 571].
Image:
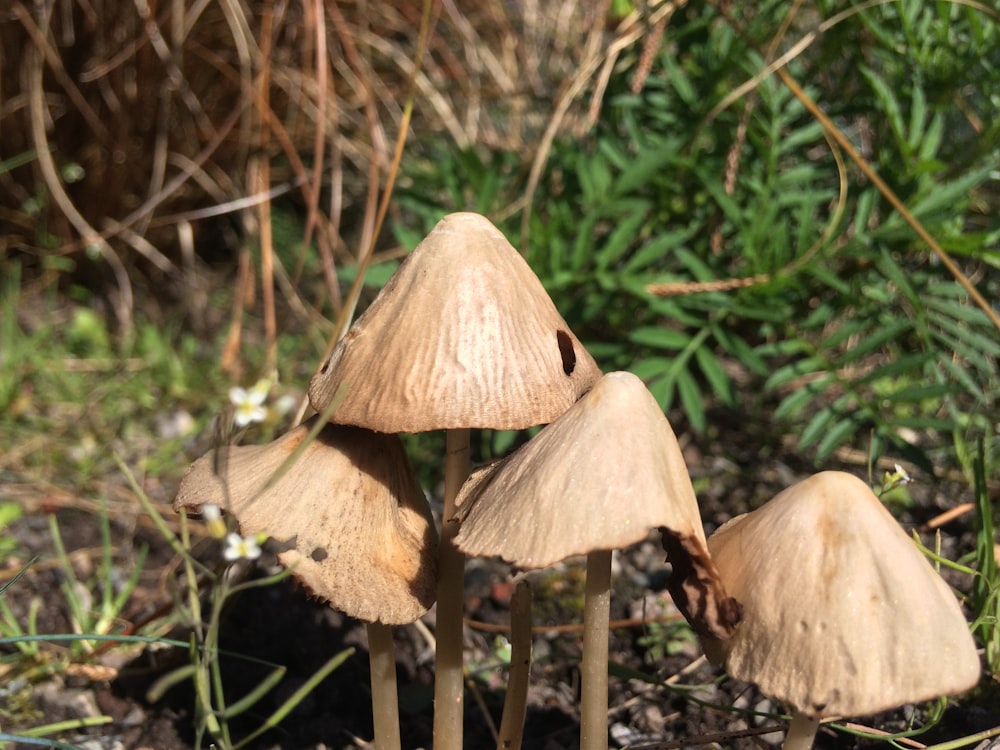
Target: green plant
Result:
[38, 736]
[663, 639]
[213, 708]
[95, 604]
[30, 664]
[9, 512]
[694, 233]
[11, 346]
[11, 628]
[986, 587]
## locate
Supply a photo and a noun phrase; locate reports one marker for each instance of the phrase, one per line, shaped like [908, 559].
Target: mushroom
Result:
[462, 336]
[842, 613]
[597, 479]
[353, 527]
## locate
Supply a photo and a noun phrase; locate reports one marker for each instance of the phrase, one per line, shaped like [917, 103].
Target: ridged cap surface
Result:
[600, 477]
[842, 613]
[357, 528]
[463, 335]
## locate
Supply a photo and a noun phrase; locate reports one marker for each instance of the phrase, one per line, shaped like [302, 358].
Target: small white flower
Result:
[240, 548]
[249, 405]
[212, 517]
[901, 476]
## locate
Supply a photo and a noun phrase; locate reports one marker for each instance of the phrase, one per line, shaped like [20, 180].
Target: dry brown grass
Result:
[141, 138]
[184, 118]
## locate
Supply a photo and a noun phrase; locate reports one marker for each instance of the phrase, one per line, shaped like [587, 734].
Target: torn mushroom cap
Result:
[356, 527]
[600, 477]
[462, 335]
[842, 614]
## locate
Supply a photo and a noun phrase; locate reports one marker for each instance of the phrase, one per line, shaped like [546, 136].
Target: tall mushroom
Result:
[462, 336]
[842, 613]
[354, 527]
[597, 479]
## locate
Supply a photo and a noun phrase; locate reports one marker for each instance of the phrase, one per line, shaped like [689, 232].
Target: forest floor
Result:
[662, 692]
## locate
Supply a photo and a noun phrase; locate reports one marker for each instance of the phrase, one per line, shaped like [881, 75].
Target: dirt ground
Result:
[280, 624]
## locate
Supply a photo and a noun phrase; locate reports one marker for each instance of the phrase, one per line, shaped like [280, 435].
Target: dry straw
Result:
[178, 117]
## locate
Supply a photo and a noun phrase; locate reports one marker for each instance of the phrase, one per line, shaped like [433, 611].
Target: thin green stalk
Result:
[18, 574]
[78, 609]
[159, 688]
[594, 672]
[259, 691]
[966, 741]
[177, 545]
[193, 594]
[203, 698]
[62, 727]
[288, 706]
[449, 682]
[986, 586]
[59, 637]
[217, 707]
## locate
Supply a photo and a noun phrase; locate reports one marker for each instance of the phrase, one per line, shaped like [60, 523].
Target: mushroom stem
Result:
[449, 678]
[515, 703]
[385, 704]
[801, 732]
[594, 673]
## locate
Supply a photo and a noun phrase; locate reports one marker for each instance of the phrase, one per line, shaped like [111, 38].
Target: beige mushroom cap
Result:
[842, 613]
[599, 477]
[355, 525]
[462, 335]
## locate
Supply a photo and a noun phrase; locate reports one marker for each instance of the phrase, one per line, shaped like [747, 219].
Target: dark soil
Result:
[280, 624]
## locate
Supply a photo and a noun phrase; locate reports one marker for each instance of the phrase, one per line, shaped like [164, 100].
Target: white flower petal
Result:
[256, 397]
[261, 388]
[238, 548]
[233, 550]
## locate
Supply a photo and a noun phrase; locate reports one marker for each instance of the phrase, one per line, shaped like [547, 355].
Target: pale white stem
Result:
[449, 678]
[515, 703]
[801, 732]
[385, 704]
[594, 672]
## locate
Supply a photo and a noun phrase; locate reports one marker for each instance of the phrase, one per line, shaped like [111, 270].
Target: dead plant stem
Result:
[890, 195]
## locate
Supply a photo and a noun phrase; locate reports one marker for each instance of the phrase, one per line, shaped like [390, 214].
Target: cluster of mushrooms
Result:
[819, 596]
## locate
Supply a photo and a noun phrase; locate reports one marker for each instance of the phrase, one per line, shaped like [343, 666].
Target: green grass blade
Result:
[17, 575]
[174, 677]
[285, 708]
[248, 700]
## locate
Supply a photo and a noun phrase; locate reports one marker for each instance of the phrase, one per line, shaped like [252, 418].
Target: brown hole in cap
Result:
[319, 554]
[566, 352]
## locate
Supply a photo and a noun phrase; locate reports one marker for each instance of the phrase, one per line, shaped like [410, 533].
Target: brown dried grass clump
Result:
[134, 132]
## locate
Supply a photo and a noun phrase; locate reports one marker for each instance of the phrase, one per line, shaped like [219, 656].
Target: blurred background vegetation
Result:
[187, 189]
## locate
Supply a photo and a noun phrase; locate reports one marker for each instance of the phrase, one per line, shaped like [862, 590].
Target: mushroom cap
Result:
[354, 525]
[462, 335]
[599, 477]
[842, 613]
